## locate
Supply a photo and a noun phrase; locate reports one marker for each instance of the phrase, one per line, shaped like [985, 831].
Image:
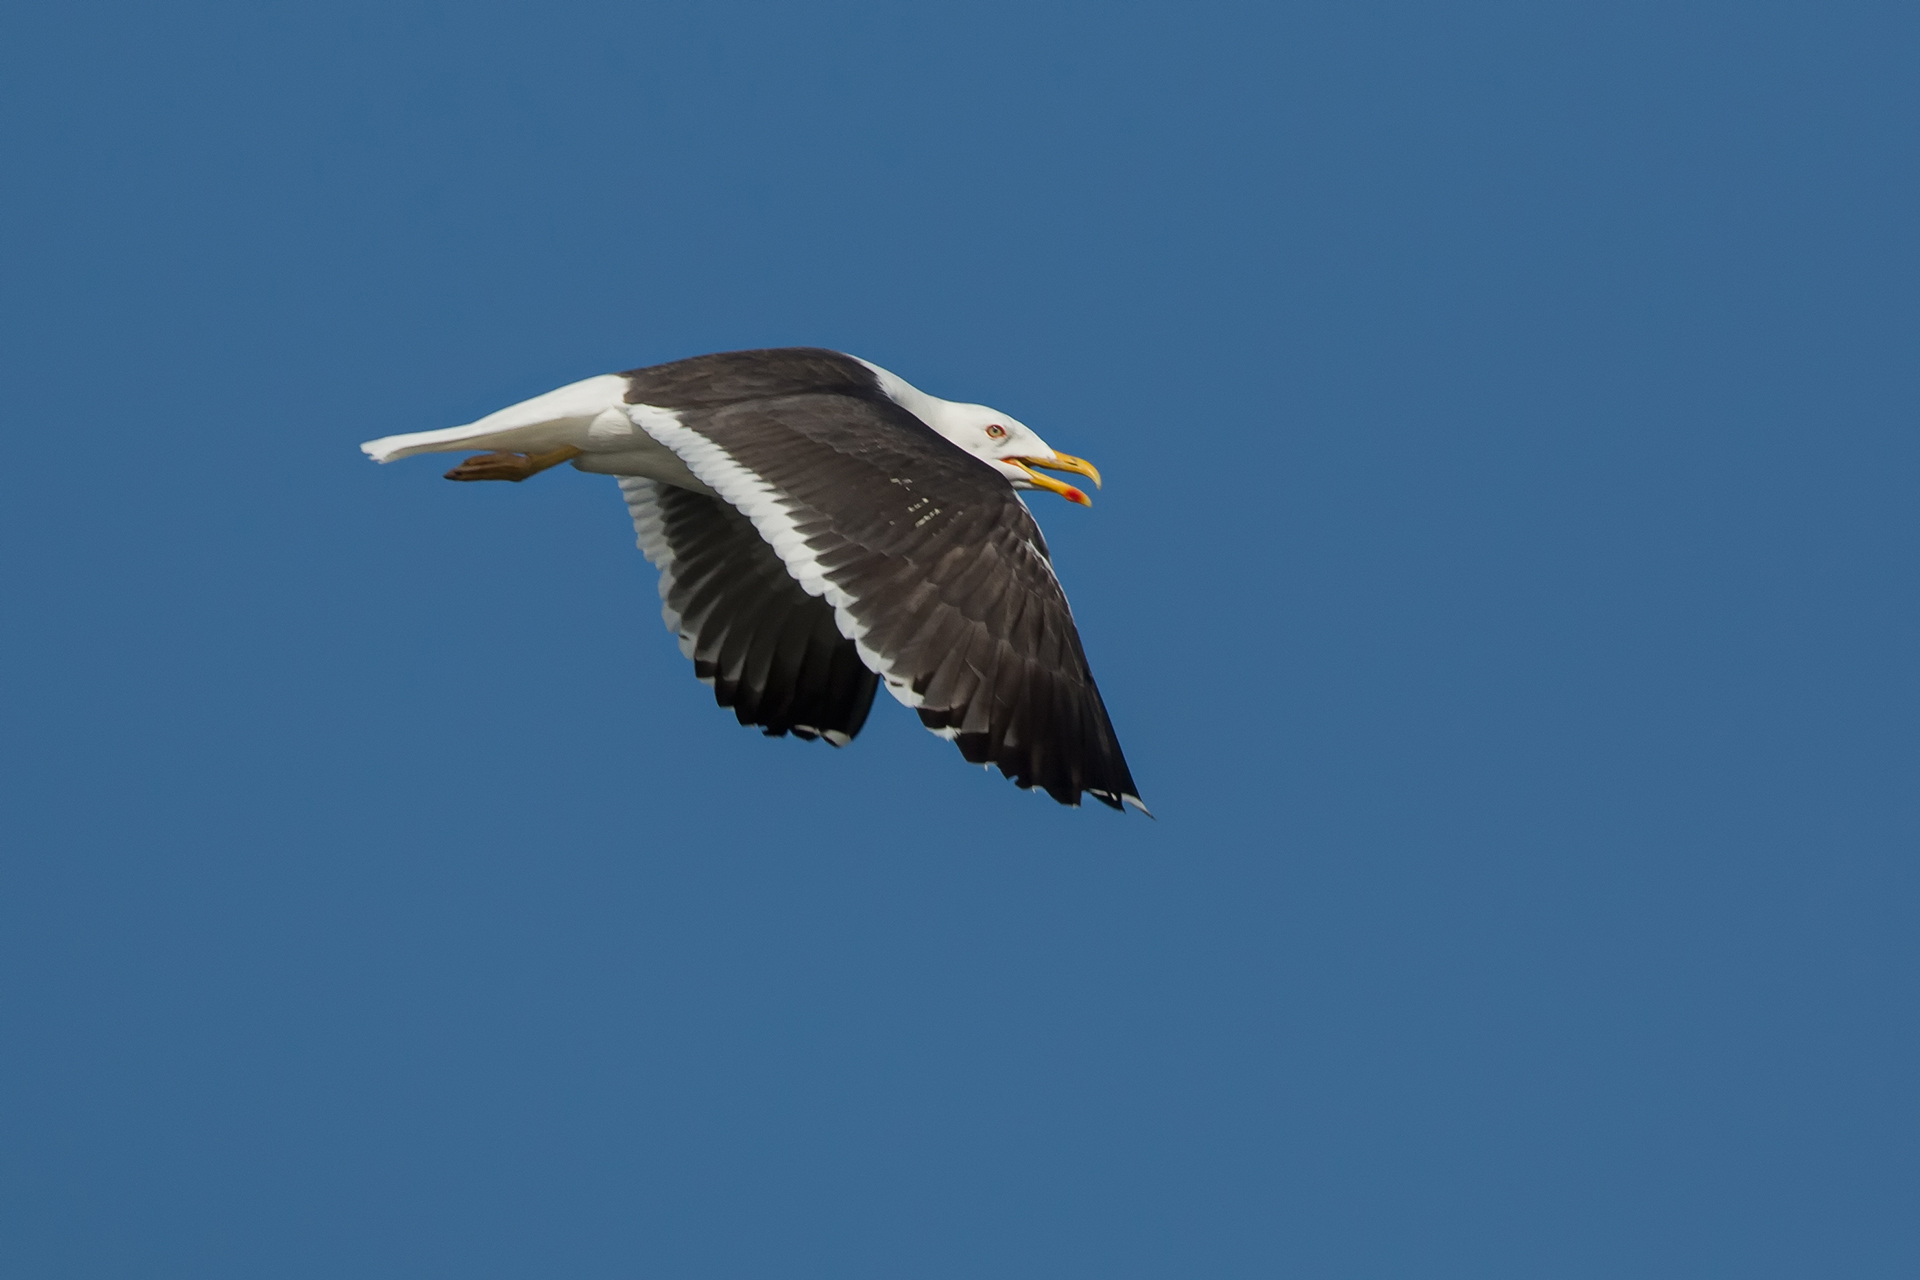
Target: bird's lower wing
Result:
[771, 652]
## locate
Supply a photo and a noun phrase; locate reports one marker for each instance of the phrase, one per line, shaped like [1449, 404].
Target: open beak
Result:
[1059, 462]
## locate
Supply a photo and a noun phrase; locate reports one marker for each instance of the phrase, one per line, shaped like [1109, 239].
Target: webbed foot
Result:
[501, 465]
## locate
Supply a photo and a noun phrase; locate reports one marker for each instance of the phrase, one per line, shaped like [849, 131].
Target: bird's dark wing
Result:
[770, 651]
[932, 565]
[732, 377]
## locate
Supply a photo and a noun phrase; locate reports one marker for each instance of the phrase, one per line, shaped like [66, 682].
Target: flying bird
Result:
[822, 527]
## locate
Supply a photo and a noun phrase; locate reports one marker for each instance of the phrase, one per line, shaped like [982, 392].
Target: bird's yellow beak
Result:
[1059, 462]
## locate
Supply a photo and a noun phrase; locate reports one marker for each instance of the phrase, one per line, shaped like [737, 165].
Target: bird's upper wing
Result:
[770, 651]
[932, 566]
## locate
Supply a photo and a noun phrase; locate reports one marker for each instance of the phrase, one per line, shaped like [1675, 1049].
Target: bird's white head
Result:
[1003, 442]
[1012, 448]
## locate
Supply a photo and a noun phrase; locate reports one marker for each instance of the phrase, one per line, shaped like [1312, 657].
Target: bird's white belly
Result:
[616, 446]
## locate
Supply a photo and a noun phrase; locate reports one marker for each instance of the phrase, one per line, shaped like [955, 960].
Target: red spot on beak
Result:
[1074, 495]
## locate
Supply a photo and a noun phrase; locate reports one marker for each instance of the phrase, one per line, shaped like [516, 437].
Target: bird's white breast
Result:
[617, 443]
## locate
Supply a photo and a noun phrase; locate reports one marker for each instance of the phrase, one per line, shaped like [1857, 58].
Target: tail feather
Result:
[544, 422]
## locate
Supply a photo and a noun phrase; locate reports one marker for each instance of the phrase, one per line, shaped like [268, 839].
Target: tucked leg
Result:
[511, 466]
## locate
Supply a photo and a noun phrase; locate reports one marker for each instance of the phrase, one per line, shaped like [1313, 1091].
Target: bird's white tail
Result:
[532, 426]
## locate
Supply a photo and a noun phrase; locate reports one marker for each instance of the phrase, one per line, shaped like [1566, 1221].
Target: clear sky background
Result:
[1504, 589]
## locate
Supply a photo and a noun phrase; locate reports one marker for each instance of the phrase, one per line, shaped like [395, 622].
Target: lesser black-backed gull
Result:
[820, 527]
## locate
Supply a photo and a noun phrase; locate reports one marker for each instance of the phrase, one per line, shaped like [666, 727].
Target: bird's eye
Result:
[997, 431]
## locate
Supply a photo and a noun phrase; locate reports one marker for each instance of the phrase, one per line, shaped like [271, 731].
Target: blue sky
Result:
[1504, 589]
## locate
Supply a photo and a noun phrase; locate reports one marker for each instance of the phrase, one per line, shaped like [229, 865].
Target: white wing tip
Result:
[1125, 799]
[833, 736]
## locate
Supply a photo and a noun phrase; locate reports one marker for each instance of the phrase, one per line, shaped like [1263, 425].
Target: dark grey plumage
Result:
[941, 573]
[770, 652]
